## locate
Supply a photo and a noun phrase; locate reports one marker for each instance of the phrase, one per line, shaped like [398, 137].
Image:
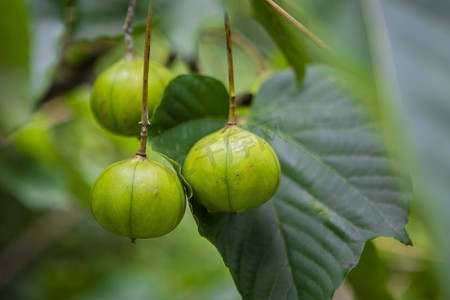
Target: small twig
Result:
[311, 36]
[144, 120]
[232, 97]
[128, 29]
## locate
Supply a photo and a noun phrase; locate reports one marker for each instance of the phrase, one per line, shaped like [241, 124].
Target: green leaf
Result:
[338, 189]
[192, 106]
[369, 279]
[284, 34]
[190, 97]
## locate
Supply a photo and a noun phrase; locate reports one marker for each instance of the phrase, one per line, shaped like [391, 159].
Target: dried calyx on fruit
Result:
[232, 170]
[139, 197]
[116, 97]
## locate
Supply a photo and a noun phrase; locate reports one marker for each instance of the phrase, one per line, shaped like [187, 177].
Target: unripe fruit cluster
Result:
[230, 171]
[137, 197]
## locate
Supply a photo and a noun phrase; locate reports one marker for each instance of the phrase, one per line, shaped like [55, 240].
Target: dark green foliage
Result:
[339, 188]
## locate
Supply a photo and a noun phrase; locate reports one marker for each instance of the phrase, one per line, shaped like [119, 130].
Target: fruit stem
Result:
[311, 36]
[128, 29]
[232, 96]
[144, 120]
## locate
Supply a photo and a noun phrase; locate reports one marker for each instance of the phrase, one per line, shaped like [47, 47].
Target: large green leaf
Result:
[338, 189]
[284, 34]
[192, 106]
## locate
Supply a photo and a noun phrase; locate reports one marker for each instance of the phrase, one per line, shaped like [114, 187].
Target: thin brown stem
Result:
[128, 29]
[232, 96]
[311, 36]
[144, 120]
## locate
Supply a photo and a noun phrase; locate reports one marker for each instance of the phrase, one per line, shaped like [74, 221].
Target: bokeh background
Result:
[51, 149]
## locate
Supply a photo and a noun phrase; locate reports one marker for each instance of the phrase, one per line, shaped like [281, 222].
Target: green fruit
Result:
[138, 198]
[232, 171]
[116, 99]
[35, 141]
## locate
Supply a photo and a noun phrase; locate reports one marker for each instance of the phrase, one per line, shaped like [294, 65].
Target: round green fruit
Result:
[116, 99]
[35, 141]
[138, 198]
[232, 170]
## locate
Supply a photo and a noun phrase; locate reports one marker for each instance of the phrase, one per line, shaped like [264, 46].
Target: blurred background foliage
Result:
[51, 149]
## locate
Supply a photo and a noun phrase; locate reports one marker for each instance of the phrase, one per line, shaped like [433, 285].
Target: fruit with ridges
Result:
[232, 170]
[116, 99]
[138, 198]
